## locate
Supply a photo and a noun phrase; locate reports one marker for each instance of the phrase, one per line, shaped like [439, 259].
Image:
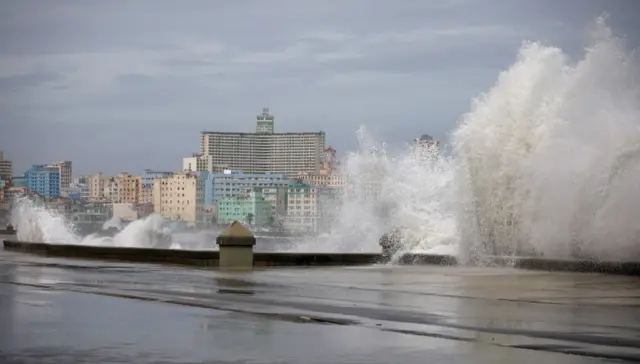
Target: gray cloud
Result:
[128, 86]
[19, 81]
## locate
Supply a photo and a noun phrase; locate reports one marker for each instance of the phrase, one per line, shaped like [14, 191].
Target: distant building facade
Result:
[302, 207]
[66, 175]
[180, 197]
[6, 168]
[44, 180]
[264, 151]
[252, 209]
[149, 175]
[238, 183]
[129, 188]
[97, 184]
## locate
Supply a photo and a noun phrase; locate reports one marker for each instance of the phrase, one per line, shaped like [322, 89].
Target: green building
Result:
[252, 209]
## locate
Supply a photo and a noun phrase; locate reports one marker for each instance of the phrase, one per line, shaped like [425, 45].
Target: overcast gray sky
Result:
[126, 85]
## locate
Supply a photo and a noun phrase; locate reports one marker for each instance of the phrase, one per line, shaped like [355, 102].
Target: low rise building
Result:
[231, 183]
[302, 207]
[180, 197]
[90, 217]
[253, 209]
[97, 187]
[125, 211]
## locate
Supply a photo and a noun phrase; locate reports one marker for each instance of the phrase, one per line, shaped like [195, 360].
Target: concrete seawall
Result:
[211, 258]
[201, 258]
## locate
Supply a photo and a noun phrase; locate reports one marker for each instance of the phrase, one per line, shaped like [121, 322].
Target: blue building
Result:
[149, 175]
[229, 183]
[44, 179]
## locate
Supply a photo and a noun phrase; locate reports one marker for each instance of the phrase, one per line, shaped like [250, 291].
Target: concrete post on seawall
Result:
[8, 233]
[236, 247]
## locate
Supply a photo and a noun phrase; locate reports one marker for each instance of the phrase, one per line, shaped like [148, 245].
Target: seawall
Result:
[211, 258]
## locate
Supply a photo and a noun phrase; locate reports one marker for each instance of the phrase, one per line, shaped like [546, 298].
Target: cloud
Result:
[155, 67]
[16, 82]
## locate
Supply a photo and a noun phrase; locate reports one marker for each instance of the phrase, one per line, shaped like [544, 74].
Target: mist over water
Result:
[35, 223]
[547, 163]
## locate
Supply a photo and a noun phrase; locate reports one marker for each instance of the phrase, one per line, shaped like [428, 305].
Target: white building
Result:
[264, 151]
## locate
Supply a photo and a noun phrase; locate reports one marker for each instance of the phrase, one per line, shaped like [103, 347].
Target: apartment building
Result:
[44, 180]
[264, 151]
[129, 188]
[97, 184]
[66, 173]
[180, 197]
[302, 208]
[6, 168]
[111, 190]
[253, 209]
[323, 178]
[149, 175]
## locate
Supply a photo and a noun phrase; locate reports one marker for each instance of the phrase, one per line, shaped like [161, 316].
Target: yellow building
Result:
[129, 188]
[180, 197]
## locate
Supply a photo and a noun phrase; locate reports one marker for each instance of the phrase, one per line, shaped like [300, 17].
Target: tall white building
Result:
[264, 151]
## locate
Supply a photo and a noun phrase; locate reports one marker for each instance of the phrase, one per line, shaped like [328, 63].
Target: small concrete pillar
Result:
[236, 247]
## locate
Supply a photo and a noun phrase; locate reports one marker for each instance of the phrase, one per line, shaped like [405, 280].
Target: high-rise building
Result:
[266, 151]
[180, 197]
[65, 170]
[128, 188]
[44, 179]
[265, 122]
[6, 168]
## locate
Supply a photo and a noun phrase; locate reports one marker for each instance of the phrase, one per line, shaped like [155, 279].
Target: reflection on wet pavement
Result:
[74, 311]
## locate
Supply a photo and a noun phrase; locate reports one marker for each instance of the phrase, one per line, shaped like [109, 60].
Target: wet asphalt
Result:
[76, 311]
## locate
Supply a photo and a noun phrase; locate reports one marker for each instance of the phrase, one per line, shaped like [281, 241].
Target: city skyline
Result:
[92, 83]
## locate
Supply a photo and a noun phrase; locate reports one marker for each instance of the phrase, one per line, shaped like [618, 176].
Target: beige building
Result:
[264, 151]
[66, 174]
[323, 178]
[129, 188]
[6, 168]
[111, 190]
[329, 174]
[97, 184]
[146, 194]
[180, 197]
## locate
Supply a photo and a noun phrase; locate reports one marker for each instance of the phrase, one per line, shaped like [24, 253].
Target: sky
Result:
[125, 85]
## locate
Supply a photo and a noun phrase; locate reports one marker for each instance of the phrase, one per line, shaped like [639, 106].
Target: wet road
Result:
[74, 311]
